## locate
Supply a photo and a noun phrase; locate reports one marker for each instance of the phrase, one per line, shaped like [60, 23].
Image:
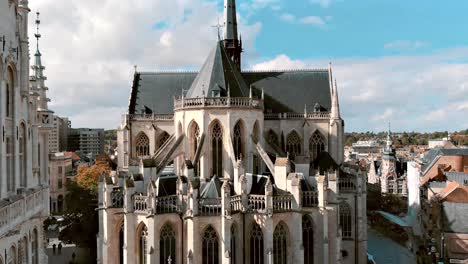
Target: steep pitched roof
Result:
[217, 75]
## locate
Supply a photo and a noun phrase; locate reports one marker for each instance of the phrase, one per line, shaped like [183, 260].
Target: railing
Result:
[346, 184]
[140, 204]
[13, 213]
[282, 203]
[279, 116]
[236, 203]
[256, 202]
[239, 102]
[166, 204]
[209, 206]
[117, 198]
[309, 199]
[150, 117]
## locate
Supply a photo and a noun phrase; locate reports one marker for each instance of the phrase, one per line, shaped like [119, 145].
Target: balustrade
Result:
[346, 184]
[295, 116]
[209, 206]
[140, 204]
[256, 203]
[166, 204]
[236, 203]
[239, 102]
[13, 213]
[309, 199]
[282, 203]
[150, 117]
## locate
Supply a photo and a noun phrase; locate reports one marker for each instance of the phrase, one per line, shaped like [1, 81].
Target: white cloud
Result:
[89, 49]
[288, 17]
[402, 45]
[421, 93]
[322, 3]
[312, 20]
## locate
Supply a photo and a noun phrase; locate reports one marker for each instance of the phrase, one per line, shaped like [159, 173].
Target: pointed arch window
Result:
[217, 149]
[9, 164]
[256, 132]
[10, 85]
[22, 251]
[345, 220]
[121, 243]
[256, 245]
[210, 246]
[316, 145]
[143, 245]
[280, 247]
[22, 155]
[272, 138]
[162, 139]
[233, 244]
[194, 139]
[238, 143]
[294, 144]
[308, 239]
[11, 258]
[34, 247]
[167, 244]
[142, 145]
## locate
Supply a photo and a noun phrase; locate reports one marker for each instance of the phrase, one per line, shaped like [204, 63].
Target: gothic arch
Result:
[119, 231]
[238, 139]
[280, 243]
[308, 239]
[345, 219]
[23, 250]
[256, 244]
[216, 144]
[142, 243]
[167, 243]
[256, 132]
[12, 257]
[316, 145]
[142, 145]
[234, 242]
[23, 159]
[272, 137]
[293, 144]
[210, 247]
[163, 137]
[194, 137]
[10, 92]
[35, 246]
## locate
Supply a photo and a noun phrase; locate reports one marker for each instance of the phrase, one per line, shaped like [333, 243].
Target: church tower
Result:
[389, 175]
[231, 41]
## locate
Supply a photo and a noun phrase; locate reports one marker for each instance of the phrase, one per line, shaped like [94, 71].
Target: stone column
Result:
[226, 223]
[268, 229]
[129, 226]
[192, 230]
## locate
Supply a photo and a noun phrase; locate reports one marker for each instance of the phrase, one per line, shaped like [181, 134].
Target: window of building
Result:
[10, 85]
[162, 139]
[60, 182]
[308, 239]
[256, 245]
[22, 155]
[280, 247]
[11, 258]
[316, 145]
[143, 245]
[10, 164]
[60, 170]
[210, 249]
[34, 247]
[294, 144]
[217, 149]
[23, 251]
[142, 145]
[272, 138]
[237, 141]
[233, 243]
[345, 220]
[167, 245]
[194, 139]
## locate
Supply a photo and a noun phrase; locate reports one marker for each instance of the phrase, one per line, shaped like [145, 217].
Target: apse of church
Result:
[229, 167]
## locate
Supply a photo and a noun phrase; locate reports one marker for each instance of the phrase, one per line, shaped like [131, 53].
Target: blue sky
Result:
[399, 61]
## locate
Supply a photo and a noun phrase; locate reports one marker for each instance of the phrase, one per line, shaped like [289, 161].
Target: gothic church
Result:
[232, 166]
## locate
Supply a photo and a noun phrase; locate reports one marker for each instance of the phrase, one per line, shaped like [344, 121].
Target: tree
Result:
[80, 224]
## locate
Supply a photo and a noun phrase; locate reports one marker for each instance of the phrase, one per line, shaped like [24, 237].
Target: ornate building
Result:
[391, 172]
[25, 122]
[232, 166]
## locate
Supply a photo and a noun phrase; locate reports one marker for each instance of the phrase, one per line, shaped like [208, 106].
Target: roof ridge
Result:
[166, 71]
[286, 70]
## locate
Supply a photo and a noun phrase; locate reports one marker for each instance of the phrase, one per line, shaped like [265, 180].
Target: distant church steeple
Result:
[231, 40]
[38, 68]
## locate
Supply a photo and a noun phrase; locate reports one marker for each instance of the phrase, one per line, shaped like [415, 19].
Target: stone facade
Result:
[229, 172]
[25, 121]
[60, 168]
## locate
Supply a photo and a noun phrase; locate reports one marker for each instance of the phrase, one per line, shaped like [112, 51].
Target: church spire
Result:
[231, 41]
[38, 68]
[230, 20]
[335, 110]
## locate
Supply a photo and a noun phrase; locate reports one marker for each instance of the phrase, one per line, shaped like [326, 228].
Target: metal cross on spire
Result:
[218, 27]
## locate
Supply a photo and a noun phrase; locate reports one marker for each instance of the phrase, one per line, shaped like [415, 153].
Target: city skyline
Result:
[406, 70]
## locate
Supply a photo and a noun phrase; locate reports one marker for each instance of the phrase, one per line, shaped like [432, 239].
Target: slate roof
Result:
[432, 155]
[166, 185]
[217, 75]
[285, 91]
